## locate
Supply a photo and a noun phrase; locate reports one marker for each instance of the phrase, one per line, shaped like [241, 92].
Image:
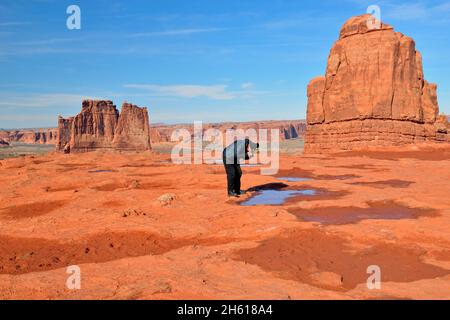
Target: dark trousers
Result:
[234, 174]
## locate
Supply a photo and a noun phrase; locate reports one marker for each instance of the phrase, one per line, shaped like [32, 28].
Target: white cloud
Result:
[216, 92]
[247, 85]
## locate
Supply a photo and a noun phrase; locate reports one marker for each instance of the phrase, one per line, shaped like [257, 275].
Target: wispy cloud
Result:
[417, 11]
[26, 50]
[47, 41]
[216, 92]
[13, 23]
[14, 121]
[50, 100]
[288, 23]
[247, 85]
[33, 117]
[176, 32]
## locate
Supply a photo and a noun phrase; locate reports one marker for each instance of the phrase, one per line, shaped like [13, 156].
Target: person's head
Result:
[247, 144]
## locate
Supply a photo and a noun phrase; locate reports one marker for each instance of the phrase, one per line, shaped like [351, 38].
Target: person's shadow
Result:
[268, 186]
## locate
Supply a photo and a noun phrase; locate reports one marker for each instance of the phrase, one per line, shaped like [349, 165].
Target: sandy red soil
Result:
[102, 213]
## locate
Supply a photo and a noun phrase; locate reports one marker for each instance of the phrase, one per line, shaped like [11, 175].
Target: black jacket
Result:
[237, 151]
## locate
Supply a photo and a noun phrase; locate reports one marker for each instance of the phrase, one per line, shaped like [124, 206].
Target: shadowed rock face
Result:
[373, 93]
[99, 126]
[64, 132]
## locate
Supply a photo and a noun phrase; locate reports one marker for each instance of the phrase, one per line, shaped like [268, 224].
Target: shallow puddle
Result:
[275, 197]
[382, 210]
[276, 194]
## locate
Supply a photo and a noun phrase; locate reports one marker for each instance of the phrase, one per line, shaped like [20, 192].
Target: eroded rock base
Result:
[357, 134]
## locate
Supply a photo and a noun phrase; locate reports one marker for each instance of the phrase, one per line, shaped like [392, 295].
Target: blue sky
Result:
[209, 60]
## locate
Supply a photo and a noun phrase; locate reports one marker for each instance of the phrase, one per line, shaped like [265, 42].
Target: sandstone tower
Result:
[100, 127]
[373, 94]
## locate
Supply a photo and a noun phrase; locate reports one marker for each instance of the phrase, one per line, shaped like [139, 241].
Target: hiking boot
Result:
[233, 194]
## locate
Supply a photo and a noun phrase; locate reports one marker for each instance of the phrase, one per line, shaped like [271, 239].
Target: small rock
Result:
[162, 287]
[329, 279]
[135, 184]
[133, 212]
[167, 199]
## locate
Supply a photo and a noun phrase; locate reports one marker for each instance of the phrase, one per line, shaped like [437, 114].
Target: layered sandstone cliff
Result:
[289, 129]
[31, 136]
[373, 94]
[100, 127]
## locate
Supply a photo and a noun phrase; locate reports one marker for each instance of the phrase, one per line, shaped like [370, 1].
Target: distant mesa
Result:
[373, 93]
[159, 132]
[99, 126]
[289, 129]
[30, 136]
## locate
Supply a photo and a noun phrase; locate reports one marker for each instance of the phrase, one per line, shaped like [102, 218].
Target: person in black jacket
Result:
[232, 155]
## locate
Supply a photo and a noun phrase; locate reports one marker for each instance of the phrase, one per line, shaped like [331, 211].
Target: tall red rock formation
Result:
[64, 133]
[373, 94]
[93, 128]
[132, 131]
[99, 127]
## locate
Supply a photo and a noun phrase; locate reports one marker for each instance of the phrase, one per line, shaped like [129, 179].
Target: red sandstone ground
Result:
[101, 212]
